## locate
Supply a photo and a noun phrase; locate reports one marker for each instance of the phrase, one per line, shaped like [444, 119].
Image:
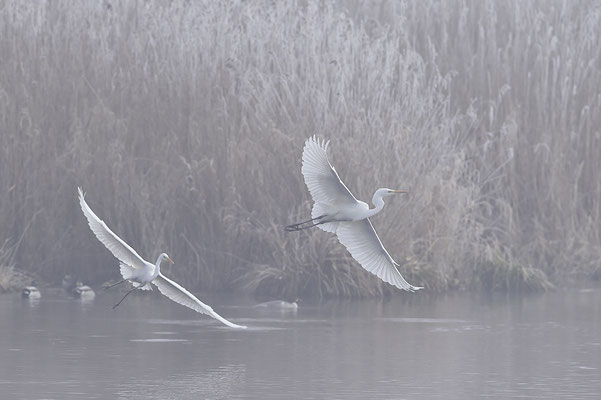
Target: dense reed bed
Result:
[184, 123]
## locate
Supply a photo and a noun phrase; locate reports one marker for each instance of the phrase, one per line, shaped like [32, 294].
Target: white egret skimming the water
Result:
[336, 210]
[140, 272]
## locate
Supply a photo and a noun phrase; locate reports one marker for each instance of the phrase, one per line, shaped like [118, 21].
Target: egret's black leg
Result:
[293, 226]
[114, 284]
[128, 292]
[298, 226]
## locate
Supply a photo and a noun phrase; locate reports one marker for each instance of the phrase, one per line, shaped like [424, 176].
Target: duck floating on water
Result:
[278, 305]
[83, 291]
[31, 292]
[76, 288]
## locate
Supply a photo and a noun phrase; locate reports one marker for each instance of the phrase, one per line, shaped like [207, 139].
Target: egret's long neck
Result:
[378, 203]
[157, 268]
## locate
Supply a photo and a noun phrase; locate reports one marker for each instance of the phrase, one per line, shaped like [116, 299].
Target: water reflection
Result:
[31, 301]
[453, 347]
[215, 383]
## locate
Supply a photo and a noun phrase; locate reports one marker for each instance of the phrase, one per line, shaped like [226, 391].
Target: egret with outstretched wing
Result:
[336, 210]
[140, 272]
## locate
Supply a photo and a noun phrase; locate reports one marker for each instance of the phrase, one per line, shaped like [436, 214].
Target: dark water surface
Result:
[452, 347]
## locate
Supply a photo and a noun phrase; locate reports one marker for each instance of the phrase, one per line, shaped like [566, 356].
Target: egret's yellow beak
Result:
[170, 260]
[399, 191]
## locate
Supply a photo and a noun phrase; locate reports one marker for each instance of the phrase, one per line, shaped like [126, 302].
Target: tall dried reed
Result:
[184, 122]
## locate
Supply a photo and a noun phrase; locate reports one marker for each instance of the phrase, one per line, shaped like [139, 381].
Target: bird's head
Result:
[165, 257]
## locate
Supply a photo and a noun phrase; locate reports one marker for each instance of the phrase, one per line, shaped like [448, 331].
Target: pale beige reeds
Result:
[184, 122]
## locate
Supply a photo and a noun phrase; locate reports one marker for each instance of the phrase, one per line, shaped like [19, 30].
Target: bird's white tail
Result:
[320, 209]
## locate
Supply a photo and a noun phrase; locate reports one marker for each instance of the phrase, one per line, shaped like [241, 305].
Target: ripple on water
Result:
[184, 322]
[264, 328]
[252, 323]
[425, 320]
[158, 340]
[206, 323]
[461, 328]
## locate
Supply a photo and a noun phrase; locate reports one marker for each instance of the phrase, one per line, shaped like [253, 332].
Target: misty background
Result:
[184, 122]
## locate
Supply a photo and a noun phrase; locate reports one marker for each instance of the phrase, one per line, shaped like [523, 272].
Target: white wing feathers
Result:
[177, 293]
[321, 178]
[362, 241]
[118, 247]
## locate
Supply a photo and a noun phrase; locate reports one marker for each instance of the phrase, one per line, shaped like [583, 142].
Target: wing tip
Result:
[402, 283]
[82, 199]
[315, 154]
[227, 322]
[314, 140]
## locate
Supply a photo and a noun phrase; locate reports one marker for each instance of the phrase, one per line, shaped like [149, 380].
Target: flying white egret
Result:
[336, 210]
[140, 272]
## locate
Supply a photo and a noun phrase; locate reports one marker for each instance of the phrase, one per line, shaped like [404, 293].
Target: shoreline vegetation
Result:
[184, 123]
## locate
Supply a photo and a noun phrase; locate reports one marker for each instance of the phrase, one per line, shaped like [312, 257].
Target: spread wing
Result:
[321, 178]
[118, 247]
[362, 241]
[177, 293]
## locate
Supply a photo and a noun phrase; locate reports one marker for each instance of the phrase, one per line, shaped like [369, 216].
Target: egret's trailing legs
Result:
[298, 226]
[114, 284]
[128, 292]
